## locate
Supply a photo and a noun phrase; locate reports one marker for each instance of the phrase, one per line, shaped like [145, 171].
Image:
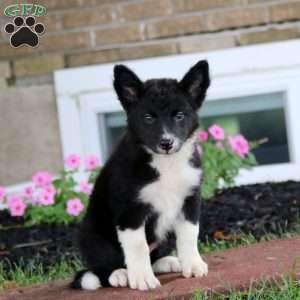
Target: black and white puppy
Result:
[146, 200]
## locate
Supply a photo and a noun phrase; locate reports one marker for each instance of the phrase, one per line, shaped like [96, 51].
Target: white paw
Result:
[118, 278]
[143, 280]
[194, 267]
[167, 264]
[90, 281]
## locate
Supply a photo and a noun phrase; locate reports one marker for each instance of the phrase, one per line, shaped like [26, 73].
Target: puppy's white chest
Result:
[177, 178]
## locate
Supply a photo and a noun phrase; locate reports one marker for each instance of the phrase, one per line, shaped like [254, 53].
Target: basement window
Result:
[255, 91]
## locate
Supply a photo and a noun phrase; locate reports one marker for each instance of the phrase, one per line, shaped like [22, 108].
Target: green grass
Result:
[286, 289]
[19, 276]
[248, 239]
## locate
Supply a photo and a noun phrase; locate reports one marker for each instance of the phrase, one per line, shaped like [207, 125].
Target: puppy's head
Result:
[162, 113]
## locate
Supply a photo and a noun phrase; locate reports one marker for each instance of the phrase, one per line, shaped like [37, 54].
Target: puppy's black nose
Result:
[166, 144]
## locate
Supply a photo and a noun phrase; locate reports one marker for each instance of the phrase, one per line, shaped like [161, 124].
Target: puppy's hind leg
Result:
[118, 278]
[162, 261]
[102, 257]
[167, 264]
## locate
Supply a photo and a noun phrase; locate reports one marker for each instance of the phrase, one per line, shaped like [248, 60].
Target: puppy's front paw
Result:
[143, 280]
[194, 266]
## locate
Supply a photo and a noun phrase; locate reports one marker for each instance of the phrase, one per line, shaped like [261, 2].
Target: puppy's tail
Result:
[86, 280]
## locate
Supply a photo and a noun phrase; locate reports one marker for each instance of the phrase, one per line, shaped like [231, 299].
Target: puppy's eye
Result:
[179, 116]
[149, 119]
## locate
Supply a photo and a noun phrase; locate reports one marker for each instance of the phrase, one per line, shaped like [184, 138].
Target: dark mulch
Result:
[256, 209]
[46, 244]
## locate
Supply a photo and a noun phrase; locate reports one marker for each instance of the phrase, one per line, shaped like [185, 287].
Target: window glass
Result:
[256, 117]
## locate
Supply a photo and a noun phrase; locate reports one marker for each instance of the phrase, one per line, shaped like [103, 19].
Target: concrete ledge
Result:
[229, 269]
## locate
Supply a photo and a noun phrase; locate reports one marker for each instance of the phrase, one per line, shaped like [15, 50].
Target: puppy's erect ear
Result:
[127, 85]
[195, 83]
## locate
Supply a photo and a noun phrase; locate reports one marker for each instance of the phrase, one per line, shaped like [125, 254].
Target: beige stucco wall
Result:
[29, 133]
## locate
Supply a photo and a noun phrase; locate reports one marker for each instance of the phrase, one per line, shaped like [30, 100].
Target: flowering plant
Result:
[222, 158]
[62, 199]
[50, 199]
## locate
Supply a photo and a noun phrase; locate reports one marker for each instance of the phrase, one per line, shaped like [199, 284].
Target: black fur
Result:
[114, 202]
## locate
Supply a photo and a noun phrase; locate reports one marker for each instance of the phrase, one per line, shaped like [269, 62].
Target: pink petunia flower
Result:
[203, 136]
[13, 198]
[50, 189]
[91, 163]
[28, 192]
[239, 145]
[45, 198]
[42, 178]
[73, 161]
[85, 187]
[16, 206]
[2, 192]
[74, 207]
[217, 132]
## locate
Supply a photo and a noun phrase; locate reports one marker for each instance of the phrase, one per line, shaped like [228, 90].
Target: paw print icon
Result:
[24, 31]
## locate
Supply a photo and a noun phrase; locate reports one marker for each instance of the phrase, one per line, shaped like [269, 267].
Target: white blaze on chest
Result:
[177, 178]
